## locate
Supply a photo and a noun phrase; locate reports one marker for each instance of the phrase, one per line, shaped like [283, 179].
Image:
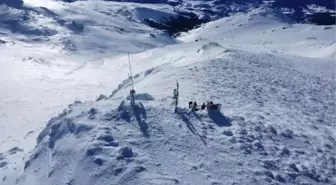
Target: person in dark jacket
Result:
[203, 106]
[190, 104]
[194, 107]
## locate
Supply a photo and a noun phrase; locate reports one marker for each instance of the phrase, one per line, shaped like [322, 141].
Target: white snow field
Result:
[275, 81]
[52, 56]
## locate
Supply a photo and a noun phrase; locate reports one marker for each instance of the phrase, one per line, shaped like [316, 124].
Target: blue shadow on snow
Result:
[219, 119]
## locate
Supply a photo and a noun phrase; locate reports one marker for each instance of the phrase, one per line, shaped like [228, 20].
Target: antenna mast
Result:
[130, 68]
[132, 91]
[176, 96]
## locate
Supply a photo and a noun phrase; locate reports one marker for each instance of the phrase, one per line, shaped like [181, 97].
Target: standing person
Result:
[212, 106]
[190, 104]
[195, 106]
[203, 106]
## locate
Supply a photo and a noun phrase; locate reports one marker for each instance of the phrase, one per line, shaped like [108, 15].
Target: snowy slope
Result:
[275, 82]
[274, 127]
[261, 30]
[54, 54]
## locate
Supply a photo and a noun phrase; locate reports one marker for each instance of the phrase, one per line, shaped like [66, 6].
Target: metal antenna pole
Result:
[176, 96]
[132, 91]
[130, 68]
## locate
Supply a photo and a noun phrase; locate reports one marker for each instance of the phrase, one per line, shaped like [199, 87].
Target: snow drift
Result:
[275, 81]
[248, 142]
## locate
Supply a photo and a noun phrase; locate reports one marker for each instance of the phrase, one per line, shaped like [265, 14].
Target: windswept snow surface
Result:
[275, 81]
[53, 53]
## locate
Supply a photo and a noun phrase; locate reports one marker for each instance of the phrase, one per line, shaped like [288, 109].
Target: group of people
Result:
[208, 105]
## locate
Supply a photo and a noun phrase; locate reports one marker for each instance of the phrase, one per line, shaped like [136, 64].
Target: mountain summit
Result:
[67, 115]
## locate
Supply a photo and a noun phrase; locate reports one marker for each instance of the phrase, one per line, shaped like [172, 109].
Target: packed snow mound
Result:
[260, 131]
[212, 47]
[118, 146]
[96, 146]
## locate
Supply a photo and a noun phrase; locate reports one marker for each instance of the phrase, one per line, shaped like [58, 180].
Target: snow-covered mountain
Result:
[185, 14]
[274, 78]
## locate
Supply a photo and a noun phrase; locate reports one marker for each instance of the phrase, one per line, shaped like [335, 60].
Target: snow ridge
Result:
[274, 79]
[149, 144]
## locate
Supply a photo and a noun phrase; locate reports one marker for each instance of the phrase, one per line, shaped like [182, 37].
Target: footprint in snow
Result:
[108, 140]
[3, 164]
[14, 150]
[2, 156]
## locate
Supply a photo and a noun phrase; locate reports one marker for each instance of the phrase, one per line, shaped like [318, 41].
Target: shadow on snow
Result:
[219, 119]
[141, 116]
[189, 125]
